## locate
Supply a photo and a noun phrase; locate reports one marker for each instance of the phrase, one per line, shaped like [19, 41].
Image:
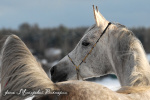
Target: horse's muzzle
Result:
[57, 76]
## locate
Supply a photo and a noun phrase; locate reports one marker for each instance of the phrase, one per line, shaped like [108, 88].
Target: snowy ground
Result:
[148, 56]
[110, 83]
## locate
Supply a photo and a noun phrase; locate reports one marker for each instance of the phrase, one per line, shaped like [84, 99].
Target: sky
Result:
[72, 13]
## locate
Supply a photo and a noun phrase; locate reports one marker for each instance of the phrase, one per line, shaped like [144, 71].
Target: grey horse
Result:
[117, 52]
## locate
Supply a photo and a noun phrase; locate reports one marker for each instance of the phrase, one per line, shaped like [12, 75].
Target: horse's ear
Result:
[99, 19]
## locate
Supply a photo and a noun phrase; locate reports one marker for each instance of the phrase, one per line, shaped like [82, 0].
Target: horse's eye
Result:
[85, 43]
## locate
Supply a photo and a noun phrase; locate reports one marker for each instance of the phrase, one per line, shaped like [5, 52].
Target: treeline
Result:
[39, 39]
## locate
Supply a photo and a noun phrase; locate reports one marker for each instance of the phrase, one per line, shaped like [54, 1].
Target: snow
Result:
[52, 52]
[148, 57]
[44, 61]
[110, 83]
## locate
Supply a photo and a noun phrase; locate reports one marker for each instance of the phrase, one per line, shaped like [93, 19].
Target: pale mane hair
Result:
[20, 69]
[141, 74]
[132, 90]
[129, 46]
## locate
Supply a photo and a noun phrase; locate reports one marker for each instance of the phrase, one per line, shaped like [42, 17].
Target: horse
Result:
[20, 70]
[105, 48]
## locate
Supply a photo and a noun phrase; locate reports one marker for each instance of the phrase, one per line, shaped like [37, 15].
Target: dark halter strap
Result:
[77, 67]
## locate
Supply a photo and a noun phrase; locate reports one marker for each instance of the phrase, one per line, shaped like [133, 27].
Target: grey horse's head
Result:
[97, 62]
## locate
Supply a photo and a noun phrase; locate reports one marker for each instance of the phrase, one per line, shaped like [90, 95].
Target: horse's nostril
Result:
[52, 70]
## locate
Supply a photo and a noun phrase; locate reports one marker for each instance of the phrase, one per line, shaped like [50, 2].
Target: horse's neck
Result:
[130, 64]
[141, 72]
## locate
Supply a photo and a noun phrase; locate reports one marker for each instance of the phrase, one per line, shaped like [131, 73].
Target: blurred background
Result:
[52, 28]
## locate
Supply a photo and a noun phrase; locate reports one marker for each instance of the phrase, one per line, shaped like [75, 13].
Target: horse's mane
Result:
[140, 78]
[20, 69]
[131, 90]
[132, 54]
[141, 74]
